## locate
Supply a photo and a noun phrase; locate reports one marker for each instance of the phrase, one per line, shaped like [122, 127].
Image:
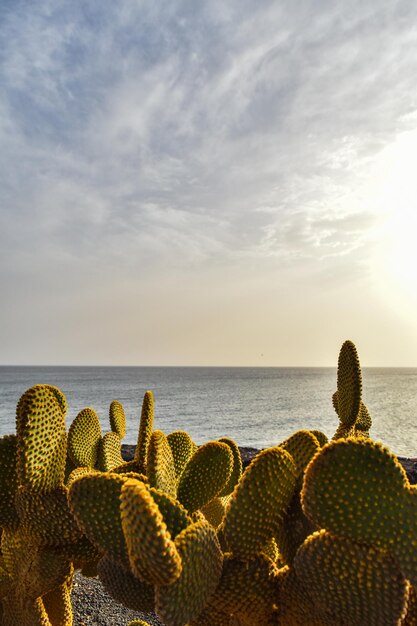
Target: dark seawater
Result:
[257, 406]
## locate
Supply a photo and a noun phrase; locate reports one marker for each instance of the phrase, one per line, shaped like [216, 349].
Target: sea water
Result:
[257, 406]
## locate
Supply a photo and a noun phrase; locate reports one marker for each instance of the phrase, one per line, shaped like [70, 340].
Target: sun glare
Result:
[395, 198]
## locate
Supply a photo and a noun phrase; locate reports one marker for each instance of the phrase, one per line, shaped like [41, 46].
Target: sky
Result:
[214, 183]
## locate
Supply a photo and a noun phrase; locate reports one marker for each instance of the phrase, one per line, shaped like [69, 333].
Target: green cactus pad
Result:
[117, 418]
[349, 384]
[205, 475]
[130, 467]
[84, 438]
[356, 488]
[173, 513]
[214, 511]
[321, 437]
[295, 607]
[42, 438]
[110, 452]
[296, 527]
[364, 422]
[351, 583]
[57, 604]
[201, 559]
[183, 448]
[95, 502]
[247, 589]
[8, 482]
[302, 446]
[259, 502]
[47, 517]
[160, 468]
[78, 472]
[145, 431]
[237, 467]
[212, 616]
[124, 587]
[152, 553]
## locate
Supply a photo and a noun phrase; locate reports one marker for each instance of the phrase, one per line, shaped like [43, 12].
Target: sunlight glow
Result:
[395, 199]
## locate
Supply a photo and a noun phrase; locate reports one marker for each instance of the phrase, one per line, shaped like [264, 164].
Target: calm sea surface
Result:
[257, 407]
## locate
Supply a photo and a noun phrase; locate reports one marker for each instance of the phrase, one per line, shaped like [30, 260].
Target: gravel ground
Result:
[92, 606]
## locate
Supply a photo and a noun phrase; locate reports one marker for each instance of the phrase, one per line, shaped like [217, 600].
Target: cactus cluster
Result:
[311, 532]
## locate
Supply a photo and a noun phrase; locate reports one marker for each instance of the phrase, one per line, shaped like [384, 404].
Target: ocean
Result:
[257, 407]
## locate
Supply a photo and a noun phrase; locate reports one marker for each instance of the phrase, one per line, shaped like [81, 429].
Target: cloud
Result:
[139, 136]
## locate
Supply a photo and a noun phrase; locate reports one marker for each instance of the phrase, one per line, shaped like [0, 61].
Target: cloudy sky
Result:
[200, 183]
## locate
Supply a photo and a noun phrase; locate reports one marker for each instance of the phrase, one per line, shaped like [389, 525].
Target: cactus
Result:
[356, 488]
[247, 589]
[95, 503]
[351, 583]
[145, 431]
[236, 469]
[84, 439]
[110, 452]
[39, 419]
[152, 553]
[205, 475]
[38, 531]
[259, 501]
[160, 467]
[8, 483]
[117, 419]
[124, 587]
[201, 560]
[183, 448]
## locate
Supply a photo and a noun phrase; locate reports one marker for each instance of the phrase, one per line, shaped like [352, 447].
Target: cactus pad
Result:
[42, 438]
[201, 560]
[236, 469]
[356, 488]
[8, 482]
[351, 583]
[124, 587]
[206, 475]
[349, 384]
[110, 452]
[160, 468]
[84, 438]
[183, 448]
[257, 506]
[145, 430]
[117, 418]
[152, 553]
[247, 589]
[95, 502]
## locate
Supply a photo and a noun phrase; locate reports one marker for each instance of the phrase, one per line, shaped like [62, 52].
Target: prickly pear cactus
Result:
[358, 489]
[39, 536]
[84, 438]
[145, 431]
[117, 418]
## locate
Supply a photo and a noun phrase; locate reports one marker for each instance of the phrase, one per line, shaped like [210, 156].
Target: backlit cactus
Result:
[351, 583]
[206, 475]
[358, 489]
[145, 431]
[39, 533]
[312, 532]
[84, 438]
[259, 502]
[117, 418]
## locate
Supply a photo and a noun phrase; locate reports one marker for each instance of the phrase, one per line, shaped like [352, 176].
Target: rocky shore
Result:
[94, 607]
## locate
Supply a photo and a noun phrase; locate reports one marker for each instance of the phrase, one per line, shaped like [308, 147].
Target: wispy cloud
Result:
[138, 135]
